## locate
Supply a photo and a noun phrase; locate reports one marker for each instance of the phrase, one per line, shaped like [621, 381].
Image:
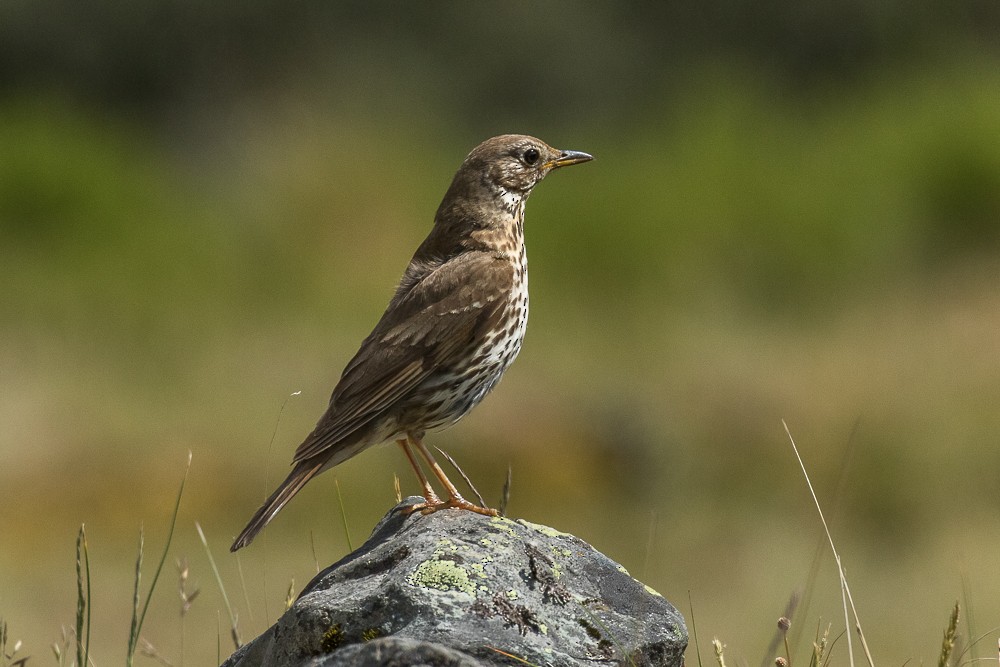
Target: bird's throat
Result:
[505, 236]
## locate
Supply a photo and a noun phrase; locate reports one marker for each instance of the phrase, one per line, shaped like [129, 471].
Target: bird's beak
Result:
[567, 158]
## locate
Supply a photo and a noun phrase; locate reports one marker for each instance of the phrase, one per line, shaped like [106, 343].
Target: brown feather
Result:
[301, 474]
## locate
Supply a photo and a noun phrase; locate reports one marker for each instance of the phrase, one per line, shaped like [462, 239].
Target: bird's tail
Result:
[301, 473]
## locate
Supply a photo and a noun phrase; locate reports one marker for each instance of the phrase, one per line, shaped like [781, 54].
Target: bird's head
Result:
[515, 163]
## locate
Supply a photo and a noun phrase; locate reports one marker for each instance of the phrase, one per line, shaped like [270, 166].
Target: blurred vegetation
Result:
[794, 213]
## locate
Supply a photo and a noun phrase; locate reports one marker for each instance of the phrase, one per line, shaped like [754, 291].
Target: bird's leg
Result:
[430, 497]
[455, 498]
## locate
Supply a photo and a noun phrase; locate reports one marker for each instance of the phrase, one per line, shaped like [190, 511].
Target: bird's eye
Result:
[531, 156]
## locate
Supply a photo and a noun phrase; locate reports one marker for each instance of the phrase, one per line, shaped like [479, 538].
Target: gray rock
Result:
[460, 589]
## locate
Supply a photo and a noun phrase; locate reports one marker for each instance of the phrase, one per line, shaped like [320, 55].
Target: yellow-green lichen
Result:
[544, 530]
[503, 523]
[445, 545]
[442, 575]
[332, 638]
[621, 568]
[370, 634]
[512, 594]
[651, 591]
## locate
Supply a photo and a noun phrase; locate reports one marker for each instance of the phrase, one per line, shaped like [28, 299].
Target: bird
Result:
[450, 331]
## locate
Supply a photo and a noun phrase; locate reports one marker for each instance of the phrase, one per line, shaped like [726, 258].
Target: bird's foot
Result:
[430, 499]
[434, 504]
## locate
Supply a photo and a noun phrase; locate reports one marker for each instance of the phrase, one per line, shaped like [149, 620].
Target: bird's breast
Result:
[458, 387]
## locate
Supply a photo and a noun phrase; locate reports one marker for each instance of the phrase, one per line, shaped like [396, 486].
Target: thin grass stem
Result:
[976, 641]
[218, 580]
[846, 596]
[343, 515]
[243, 585]
[512, 657]
[138, 621]
[133, 632]
[694, 630]
[465, 478]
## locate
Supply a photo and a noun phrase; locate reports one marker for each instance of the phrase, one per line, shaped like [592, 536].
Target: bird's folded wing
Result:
[436, 320]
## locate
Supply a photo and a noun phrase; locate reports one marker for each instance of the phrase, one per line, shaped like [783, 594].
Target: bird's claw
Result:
[433, 504]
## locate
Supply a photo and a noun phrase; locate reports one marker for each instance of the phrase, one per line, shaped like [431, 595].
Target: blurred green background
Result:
[794, 214]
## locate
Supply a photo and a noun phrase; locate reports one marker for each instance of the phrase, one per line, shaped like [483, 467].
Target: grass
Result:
[845, 589]
[950, 636]
[8, 654]
[820, 654]
[139, 617]
[85, 600]
[234, 632]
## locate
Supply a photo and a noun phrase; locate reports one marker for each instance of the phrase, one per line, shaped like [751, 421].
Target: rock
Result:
[461, 589]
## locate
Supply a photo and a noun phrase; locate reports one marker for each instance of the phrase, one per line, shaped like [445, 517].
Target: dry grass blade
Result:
[243, 585]
[839, 493]
[396, 488]
[845, 590]
[290, 595]
[147, 649]
[234, 631]
[343, 516]
[468, 482]
[976, 641]
[512, 657]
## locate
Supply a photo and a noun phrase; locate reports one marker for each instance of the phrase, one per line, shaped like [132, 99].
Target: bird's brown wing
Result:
[435, 320]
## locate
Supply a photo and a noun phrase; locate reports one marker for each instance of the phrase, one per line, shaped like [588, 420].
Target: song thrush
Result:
[453, 327]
